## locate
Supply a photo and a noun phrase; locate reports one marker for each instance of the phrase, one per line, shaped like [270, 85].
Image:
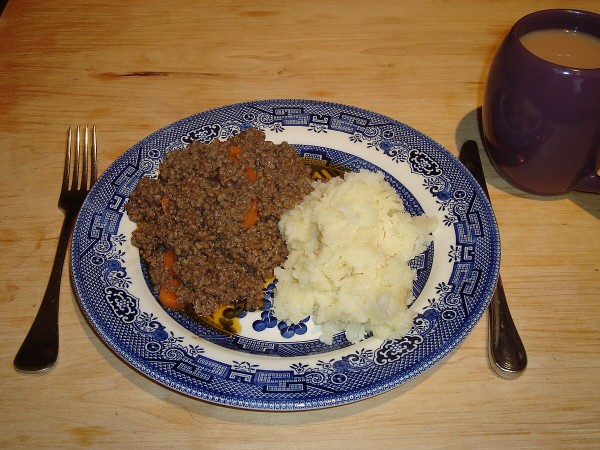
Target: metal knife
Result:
[506, 352]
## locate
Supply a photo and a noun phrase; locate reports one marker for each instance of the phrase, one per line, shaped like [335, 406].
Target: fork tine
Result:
[86, 151]
[75, 178]
[67, 169]
[94, 175]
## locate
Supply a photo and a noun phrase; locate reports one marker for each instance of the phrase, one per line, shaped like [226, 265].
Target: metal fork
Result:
[39, 350]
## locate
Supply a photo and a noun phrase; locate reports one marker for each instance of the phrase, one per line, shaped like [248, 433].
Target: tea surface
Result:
[565, 47]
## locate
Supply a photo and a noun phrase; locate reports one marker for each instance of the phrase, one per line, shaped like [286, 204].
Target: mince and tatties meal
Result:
[221, 218]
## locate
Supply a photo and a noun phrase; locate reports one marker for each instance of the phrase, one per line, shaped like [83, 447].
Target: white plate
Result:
[266, 365]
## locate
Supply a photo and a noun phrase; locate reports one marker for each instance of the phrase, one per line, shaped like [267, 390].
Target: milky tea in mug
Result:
[541, 103]
[569, 48]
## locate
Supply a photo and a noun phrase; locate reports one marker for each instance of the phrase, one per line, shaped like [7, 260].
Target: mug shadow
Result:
[470, 127]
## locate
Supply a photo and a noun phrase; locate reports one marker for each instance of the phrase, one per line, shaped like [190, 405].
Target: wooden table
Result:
[133, 67]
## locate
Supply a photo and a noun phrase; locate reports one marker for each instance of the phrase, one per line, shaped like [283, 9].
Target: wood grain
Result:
[133, 67]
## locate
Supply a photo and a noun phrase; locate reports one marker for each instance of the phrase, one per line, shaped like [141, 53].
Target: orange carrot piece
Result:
[252, 215]
[234, 152]
[169, 259]
[166, 204]
[168, 298]
[252, 176]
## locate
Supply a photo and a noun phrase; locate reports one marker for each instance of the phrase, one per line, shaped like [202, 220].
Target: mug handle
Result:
[590, 183]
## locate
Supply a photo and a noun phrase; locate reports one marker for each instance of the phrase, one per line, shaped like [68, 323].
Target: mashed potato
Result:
[349, 244]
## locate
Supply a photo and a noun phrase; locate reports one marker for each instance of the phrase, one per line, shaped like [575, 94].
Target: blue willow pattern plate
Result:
[266, 364]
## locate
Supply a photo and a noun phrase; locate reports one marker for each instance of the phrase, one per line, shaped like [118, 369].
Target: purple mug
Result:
[541, 121]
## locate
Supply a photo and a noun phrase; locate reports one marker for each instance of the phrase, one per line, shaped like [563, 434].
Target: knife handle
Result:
[506, 351]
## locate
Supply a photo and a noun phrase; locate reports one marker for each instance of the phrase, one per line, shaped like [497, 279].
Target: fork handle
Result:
[39, 350]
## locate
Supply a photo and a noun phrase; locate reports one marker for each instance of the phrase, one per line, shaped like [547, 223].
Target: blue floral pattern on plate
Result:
[269, 365]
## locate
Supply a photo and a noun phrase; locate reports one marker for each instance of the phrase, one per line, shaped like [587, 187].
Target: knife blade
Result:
[506, 352]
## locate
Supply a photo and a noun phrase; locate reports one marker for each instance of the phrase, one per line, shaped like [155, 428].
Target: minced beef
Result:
[207, 227]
